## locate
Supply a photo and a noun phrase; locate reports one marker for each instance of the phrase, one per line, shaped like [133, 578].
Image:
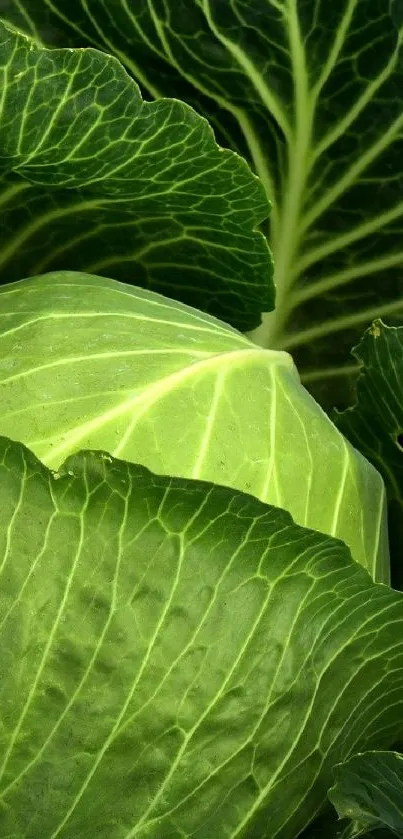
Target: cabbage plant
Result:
[200, 589]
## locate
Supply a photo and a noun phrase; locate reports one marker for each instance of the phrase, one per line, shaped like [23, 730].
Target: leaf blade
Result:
[374, 424]
[369, 788]
[96, 179]
[106, 694]
[101, 364]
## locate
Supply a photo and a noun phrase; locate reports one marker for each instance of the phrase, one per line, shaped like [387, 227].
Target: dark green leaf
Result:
[375, 424]
[311, 92]
[369, 789]
[92, 178]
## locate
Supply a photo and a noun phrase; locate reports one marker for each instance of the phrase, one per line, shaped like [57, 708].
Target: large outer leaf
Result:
[369, 789]
[312, 92]
[375, 423]
[178, 659]
[93, 178]
[89, 362]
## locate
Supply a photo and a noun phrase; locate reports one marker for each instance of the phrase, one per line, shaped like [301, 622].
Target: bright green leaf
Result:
[178, 659]
[92, 178]
[369, 788]
[87, 362]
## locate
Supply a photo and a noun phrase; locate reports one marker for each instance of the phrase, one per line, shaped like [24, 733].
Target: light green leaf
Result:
[87, 362]
[311, 91]
[369, 788]
[178, 659]
[93, 178]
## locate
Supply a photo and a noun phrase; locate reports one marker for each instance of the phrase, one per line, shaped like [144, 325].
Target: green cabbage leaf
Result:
[374, 424]
[178, 659]
[368, 790]
[93, 178]
[87, 362]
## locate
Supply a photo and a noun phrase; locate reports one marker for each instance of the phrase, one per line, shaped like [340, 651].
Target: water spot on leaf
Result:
[375, 330]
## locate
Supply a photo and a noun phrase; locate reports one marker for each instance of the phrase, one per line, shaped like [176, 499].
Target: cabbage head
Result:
[88, 362]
